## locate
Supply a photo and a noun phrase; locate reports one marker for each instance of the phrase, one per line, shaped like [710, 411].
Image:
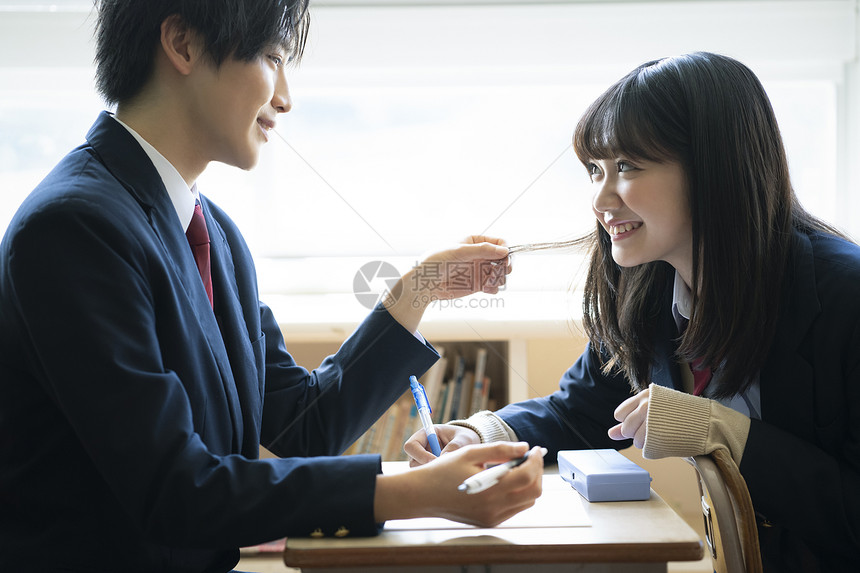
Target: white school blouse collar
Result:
[177, 189]
[682, 300]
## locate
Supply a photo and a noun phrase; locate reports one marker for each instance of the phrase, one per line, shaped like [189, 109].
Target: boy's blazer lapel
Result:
[239, 333]
[125, 159]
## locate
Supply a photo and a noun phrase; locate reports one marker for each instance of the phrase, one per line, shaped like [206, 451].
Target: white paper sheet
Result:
[558, 506]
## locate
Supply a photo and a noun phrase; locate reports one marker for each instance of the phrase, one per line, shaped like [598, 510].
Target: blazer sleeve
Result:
[576, 416]
[324, 411]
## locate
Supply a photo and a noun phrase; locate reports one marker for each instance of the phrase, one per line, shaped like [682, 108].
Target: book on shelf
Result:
[364, 443]
[406, 424]
[478, 386]
[485, 396]
[433, 381]
[467, 386]
[413, 423]
[452, 407]
[439, 415]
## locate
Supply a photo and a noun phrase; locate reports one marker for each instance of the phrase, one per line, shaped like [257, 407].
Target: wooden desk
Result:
[623, 536]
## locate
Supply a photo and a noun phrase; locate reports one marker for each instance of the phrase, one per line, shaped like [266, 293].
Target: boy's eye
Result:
[280, 60]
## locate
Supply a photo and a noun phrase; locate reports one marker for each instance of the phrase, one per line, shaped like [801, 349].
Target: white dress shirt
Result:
[182, 197]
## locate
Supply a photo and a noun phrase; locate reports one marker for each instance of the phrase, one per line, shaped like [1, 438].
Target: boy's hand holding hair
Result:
[478, 264]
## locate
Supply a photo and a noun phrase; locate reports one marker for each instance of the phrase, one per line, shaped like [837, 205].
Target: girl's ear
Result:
[180, 44]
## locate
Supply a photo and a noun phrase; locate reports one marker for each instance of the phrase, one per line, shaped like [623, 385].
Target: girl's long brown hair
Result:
[711, 114]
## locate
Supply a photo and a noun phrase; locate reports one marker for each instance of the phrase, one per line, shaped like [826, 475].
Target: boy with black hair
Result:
[139, 372]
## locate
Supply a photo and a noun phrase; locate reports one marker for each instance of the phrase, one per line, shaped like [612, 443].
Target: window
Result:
[415, 124]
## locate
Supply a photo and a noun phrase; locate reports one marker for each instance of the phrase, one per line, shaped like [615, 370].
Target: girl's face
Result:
[644, 206]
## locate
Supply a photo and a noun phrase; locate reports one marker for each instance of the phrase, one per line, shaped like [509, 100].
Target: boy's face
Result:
[234, 107]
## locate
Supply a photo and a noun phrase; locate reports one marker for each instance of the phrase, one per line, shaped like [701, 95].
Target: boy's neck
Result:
[169, 132]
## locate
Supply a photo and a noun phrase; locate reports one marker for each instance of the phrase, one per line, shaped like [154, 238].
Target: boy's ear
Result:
[180, 44]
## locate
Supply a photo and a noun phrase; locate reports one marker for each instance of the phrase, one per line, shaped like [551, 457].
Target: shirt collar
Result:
[177, 189]
[682, 300]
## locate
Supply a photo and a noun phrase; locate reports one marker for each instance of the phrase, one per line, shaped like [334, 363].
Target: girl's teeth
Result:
[617, 230]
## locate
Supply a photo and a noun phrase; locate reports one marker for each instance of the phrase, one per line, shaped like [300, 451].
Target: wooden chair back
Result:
[731, 537]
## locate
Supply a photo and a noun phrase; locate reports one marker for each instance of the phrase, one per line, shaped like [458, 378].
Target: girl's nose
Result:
[606, 198]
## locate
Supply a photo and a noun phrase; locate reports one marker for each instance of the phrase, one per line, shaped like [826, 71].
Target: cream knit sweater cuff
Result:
[488, 426]
[682, 425]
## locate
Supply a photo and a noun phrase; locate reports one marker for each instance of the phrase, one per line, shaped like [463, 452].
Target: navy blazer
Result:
[802, 459]
[131, 415]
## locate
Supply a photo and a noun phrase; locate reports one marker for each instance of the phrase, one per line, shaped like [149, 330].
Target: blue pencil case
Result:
[604, 475]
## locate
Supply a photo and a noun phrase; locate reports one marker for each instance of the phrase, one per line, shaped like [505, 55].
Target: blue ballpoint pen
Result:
[423, 407]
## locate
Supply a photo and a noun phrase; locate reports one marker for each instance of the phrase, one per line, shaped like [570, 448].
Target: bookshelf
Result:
[470, 376]
[400, 421]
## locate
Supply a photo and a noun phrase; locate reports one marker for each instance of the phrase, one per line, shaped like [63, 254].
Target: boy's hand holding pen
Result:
[430, 490]
[491, 476]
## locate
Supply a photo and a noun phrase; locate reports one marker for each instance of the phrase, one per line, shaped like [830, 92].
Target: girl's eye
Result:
[624, 167]
[592, 169]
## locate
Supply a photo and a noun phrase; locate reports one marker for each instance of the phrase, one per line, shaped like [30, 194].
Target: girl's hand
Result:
[451, 438]
[633, 415]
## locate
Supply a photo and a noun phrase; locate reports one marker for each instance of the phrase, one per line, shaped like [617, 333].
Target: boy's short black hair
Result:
[128, 31]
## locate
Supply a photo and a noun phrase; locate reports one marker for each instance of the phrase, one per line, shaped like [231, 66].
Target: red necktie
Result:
[198, 238]
[701, 376]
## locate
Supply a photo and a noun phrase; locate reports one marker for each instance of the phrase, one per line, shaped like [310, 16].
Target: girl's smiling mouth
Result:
[622, 230]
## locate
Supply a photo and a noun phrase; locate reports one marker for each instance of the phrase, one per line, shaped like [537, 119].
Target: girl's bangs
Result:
[619, 124]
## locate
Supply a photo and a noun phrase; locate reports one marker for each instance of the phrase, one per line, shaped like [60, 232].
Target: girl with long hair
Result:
[728, 312]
